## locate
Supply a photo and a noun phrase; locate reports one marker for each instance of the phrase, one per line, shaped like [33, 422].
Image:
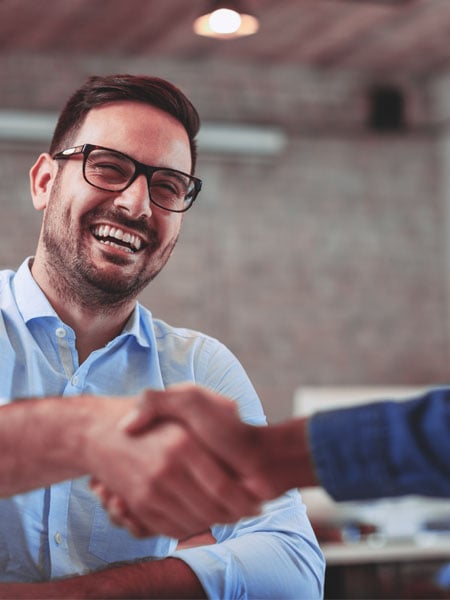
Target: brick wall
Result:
[324, 265]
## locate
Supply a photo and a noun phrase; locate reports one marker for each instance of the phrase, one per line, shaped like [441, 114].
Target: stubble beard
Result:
[78, 280]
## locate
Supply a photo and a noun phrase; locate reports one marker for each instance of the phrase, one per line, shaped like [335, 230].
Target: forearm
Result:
[161, 579]
[42, 441]
[282, 459]
[38, 443]
[277, 458]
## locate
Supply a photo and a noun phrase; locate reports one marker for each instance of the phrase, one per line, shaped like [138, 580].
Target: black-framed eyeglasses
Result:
[113, 171]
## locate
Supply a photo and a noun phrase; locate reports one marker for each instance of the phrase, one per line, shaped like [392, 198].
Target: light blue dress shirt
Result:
[63, 530]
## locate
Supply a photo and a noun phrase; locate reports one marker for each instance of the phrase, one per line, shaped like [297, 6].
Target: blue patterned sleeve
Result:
[385, 448]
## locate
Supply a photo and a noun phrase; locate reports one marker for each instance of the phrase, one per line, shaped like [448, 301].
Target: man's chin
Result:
[121, 276]
[116, 282]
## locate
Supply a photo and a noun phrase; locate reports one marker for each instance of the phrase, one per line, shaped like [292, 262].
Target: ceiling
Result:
[380, 36]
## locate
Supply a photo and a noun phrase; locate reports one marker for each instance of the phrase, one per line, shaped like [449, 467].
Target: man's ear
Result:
[42, 176]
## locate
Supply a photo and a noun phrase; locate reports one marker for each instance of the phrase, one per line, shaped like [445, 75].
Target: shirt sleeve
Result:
[275, 555]
[384, 449]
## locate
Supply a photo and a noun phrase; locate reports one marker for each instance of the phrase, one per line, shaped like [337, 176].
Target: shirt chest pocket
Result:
[114, 544]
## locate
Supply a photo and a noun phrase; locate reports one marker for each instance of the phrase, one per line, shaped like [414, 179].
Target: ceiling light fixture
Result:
[226, 19]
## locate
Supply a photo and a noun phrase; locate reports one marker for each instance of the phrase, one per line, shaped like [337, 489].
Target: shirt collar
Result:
[139, 327]
[33, 304]
[29, 297]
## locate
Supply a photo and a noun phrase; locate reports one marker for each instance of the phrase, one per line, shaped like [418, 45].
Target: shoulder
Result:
[169, 339]
[172, 341]
[182, 337]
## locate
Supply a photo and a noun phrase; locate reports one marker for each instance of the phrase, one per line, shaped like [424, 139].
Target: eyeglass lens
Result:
[113, 171]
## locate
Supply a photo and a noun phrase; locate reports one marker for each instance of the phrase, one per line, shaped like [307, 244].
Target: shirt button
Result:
[75, 380]
[60, 332]
[58, 537]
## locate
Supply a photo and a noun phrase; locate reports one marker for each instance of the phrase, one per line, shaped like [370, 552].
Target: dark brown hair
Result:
[99, 90]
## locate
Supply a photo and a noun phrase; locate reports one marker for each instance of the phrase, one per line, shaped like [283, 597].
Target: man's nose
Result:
[135, 200]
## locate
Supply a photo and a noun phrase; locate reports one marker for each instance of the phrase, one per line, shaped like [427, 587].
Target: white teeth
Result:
[108, 243]
[104, 231]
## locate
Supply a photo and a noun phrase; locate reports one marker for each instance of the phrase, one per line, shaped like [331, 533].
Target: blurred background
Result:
[319, 248]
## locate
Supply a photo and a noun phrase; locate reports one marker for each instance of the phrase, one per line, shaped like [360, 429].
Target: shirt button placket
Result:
[65, 351]
[57, 532]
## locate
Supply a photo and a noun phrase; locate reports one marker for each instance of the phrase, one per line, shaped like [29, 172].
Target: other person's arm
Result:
[383, 449]
[375, 450]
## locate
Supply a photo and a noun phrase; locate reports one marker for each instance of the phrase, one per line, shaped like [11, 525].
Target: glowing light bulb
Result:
[224, 21]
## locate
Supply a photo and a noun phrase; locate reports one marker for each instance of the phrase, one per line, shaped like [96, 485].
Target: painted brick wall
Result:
[324, 265]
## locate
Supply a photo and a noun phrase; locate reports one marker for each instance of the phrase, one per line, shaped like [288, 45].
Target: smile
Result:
[114, 236]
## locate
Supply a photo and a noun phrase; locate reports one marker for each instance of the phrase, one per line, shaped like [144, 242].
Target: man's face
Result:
[81, 223]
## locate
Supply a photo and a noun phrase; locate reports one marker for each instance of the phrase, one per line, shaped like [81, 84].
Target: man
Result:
[113, 190]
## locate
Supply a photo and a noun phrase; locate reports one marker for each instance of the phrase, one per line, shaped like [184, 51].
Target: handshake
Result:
[182, 460]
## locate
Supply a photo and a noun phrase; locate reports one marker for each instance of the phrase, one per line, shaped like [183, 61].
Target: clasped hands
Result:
[196, 464]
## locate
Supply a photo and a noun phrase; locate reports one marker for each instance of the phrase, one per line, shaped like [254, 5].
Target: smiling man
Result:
[104, 241]
[114, 189]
